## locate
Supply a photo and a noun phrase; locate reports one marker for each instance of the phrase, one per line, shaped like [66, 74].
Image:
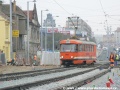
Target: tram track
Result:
[19, 75]
[46, 81]
[77, 85]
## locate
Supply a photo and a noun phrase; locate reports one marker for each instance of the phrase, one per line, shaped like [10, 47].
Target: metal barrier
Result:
[2, 58]
[50, 58]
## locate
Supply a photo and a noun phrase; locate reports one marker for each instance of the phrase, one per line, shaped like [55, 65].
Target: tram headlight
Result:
[71, 56]
[61, 57]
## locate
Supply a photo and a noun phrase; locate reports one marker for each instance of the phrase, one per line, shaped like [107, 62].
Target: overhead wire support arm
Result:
[74, 24]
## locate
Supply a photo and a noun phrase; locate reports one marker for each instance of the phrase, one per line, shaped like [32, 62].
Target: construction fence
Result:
[49, 58]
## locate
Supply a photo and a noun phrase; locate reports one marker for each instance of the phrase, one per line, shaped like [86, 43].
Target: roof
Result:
[118, 29]
[30, 14]
[4, 16]
[6, 10]
[33, 14]
[76, 41]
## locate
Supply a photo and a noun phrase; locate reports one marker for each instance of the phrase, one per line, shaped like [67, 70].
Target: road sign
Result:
[15, 33]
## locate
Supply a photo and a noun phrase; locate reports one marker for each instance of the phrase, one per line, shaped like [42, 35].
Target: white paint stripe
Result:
[84, 57]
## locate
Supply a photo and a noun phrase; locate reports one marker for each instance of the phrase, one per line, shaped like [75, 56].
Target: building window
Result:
[6, 30]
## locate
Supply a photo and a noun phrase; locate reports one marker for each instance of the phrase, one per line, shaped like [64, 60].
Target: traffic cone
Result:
[108, 84]
[111, 81]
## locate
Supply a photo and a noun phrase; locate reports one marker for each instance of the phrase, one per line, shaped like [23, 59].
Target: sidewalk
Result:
[13, 69]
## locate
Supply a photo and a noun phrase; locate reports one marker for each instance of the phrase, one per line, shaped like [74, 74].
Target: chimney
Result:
[14, 6]
[1, 4]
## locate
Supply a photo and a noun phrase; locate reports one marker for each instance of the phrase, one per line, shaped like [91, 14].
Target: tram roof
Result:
[74, 41]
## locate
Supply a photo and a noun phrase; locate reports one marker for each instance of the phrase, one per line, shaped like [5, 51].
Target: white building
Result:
[81, 27]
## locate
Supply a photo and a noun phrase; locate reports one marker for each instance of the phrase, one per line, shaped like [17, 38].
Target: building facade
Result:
[108, 40]
[49, 21]
[34, 32]
[117, 37]
[81, 28]
[20, 23]
[5, 35]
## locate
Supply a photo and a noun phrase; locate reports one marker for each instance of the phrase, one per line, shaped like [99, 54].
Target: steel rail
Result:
[32, 73]
[42, 82]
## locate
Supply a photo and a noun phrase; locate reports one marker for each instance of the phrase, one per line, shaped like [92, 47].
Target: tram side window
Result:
[83, 47]
[80, 48]
[92, 48]
[88, 48]
[75, 48]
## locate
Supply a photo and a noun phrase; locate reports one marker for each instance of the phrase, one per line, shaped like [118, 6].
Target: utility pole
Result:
[108, 41]
[53, 32]
[41, 33]
[28, 30]
[46, 35]
[108, 31]
[41, 41]
[76, 27]
[11, 48]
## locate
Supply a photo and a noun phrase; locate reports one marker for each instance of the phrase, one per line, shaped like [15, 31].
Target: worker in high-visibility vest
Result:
[35, 59]
[116, 59]
[112, 59]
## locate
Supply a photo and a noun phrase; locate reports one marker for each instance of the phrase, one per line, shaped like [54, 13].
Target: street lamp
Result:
[41, 29]
[28, 27]
[53, 32]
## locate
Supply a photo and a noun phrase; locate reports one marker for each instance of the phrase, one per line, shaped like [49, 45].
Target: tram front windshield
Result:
[68, 48]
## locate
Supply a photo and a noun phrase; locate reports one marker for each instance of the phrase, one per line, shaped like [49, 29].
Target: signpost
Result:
[15, 33]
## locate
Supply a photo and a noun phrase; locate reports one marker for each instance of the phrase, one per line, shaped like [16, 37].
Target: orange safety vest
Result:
[35, 57]
[111, 58]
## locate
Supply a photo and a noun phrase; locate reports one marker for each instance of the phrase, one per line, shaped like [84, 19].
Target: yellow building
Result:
[5, 35]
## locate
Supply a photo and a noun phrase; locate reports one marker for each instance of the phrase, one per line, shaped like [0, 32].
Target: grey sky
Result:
[89, 10]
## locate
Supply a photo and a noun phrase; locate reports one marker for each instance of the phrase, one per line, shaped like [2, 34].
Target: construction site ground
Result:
[12, 69]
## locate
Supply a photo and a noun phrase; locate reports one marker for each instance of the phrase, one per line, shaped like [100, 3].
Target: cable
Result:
[62, 7]
[104, 13]
[113, 18]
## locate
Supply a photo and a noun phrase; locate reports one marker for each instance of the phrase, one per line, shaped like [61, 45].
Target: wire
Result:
[113, 18]
[62, 7]
[104, 12]
[102, 7]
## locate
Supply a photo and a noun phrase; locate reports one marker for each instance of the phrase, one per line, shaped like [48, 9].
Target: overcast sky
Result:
[92, 11]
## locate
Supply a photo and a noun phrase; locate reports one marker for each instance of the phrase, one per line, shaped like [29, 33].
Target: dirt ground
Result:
[13, 69]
